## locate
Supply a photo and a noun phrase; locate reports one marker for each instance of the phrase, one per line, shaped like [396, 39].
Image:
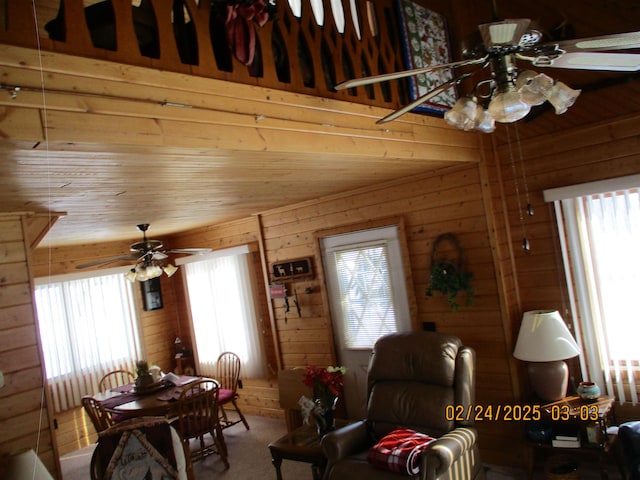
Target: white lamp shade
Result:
[544, 337]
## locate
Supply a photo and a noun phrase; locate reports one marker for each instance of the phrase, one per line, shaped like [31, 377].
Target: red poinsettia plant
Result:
[327, 387]
[324, 381]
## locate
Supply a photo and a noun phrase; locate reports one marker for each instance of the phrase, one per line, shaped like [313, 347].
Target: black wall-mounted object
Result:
[299, 268]
[151, 294]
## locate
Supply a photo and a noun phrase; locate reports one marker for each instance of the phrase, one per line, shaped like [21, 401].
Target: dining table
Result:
[161, 399]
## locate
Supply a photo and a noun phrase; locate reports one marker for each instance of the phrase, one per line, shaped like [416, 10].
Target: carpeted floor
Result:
[249, 456]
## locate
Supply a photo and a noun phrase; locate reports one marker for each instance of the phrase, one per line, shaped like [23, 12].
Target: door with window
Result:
[368, 299]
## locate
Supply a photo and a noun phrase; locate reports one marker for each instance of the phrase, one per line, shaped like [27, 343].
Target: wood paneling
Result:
[309, 164]
[24, 417]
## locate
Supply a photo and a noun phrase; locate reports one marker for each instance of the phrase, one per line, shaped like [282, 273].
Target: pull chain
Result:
[525, 241]
[524, 174]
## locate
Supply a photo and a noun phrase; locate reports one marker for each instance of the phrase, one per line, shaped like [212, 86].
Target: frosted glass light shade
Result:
[484, 121]
[170, 270]
[507, 107]
[562, 97]
[462, 115]
[533, 87]
[153, 271]
[544, 337]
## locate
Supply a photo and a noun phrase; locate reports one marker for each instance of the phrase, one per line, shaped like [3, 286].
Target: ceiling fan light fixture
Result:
[562, 97]
[484, 122]
[508, 107]
[131, 275]
[170, 270]
[463, 114]
[534, 87]
[153, 271]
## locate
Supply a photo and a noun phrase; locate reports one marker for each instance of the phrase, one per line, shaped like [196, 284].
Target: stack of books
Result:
[566, 438]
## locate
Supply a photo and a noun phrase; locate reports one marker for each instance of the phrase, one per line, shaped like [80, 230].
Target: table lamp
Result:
[545, 342]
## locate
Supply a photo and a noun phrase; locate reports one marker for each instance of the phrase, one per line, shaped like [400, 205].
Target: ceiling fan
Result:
[150, 257]
[508, 96]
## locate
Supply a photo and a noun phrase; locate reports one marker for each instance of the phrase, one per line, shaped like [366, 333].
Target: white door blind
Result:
[600, 238]
[366, 295]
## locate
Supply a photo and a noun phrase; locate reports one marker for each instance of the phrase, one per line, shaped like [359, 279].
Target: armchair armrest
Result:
[444, 452]
[345, 441]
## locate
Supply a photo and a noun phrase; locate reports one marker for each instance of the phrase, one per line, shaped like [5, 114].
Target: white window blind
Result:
[600, 232]
[223, 313]
[88, 328]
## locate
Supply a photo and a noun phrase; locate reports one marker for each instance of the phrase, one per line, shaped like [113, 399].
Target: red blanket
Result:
[399, 451]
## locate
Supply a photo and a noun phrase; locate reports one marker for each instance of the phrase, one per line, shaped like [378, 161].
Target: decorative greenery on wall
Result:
[448, 276]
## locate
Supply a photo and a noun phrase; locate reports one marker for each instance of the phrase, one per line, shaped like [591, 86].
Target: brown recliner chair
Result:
[412, 378]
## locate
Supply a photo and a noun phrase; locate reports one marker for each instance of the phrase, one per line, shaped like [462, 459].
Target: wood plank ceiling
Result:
[244, 149]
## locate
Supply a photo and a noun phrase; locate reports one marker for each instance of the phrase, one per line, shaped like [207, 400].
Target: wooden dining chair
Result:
[142, 447]
[228, 374]
[115, 379]
[198, 420]
[99, 416]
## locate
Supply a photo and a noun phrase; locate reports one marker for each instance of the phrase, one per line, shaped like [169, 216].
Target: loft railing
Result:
[292, 52]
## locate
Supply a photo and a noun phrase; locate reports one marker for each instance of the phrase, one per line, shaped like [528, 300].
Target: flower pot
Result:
[324, 415]
[588, 391]
[144, 381]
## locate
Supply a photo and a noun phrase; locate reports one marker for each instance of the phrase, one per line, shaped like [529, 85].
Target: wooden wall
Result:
[450, 201]
[24, 420]
[594, 152]
[160, 327]
[479, 203]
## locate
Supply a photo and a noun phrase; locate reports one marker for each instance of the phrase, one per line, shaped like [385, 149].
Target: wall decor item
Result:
[447, 274]
[298, 268]
[425, 42]
[151, 294]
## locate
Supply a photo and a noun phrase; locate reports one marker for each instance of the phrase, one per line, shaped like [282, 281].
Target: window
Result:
[223, 312]
[87, 328]
[600, 226]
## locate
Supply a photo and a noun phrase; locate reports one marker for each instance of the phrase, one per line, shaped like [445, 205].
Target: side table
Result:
[300, 445]
[596, 415]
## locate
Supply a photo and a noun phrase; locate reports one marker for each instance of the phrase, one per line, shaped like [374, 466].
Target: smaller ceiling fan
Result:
[500, 97]
[150, 258]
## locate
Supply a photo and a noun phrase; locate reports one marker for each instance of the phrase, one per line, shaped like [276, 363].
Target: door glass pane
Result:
[365, 295]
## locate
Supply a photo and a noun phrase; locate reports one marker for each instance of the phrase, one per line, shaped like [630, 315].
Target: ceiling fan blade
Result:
[618, 41]
[617, 62]
[436, 91]
[190, 251]
[356, 82]
[104, 261]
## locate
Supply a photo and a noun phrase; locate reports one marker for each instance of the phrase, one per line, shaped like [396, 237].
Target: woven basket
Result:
[561, 467]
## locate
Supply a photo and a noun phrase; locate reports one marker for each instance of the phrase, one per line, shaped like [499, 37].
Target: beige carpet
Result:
[250, 459]
[248, 456]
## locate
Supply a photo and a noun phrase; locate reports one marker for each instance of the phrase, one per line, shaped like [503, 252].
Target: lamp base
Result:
[549, 379]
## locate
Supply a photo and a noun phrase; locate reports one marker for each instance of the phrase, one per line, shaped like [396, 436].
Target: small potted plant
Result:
[144, 378]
